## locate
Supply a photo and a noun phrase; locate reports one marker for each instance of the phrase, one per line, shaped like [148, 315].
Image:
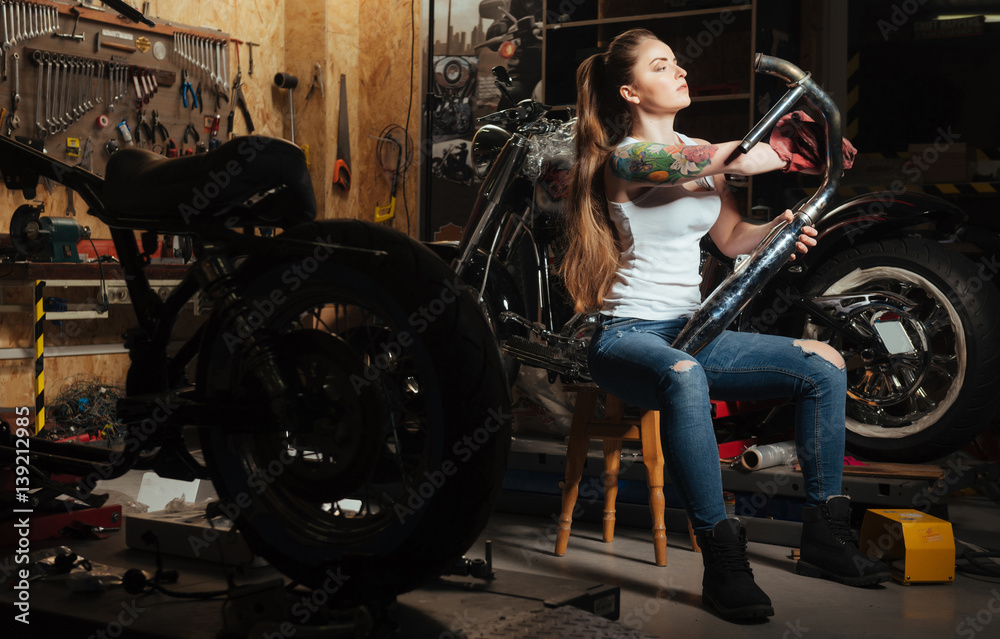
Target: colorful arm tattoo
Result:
[661, 163]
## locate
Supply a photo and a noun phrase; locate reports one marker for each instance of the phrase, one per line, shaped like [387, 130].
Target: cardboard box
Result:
[188, 534]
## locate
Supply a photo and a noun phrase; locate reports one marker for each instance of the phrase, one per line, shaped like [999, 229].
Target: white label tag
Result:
[121, 35]
[894, 337]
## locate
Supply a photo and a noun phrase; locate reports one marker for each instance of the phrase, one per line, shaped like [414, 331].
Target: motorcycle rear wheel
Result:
[920, 405]
[401, 430]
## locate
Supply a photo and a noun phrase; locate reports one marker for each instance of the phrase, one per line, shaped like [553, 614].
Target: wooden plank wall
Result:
[367, 40]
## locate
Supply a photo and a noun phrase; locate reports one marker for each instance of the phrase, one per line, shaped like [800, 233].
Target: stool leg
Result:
[612, 464]
[576, 456]
[652, 457]
[694, 538]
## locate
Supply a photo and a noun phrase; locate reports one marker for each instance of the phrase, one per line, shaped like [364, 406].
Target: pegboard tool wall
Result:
[83, 75]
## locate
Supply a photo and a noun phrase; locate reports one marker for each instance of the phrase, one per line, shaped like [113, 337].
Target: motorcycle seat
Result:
[248, 181]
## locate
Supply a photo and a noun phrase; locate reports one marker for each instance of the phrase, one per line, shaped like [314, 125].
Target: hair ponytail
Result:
[592, 252]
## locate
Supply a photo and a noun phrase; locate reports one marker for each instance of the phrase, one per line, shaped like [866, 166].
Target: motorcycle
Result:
[453, 165]
[518, 41]
[882, 286]
[342, 428]
[454, 85]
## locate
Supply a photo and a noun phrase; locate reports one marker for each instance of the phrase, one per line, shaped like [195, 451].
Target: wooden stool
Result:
[613, 430]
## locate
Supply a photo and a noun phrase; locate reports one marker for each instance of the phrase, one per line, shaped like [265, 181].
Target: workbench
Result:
[769, 500]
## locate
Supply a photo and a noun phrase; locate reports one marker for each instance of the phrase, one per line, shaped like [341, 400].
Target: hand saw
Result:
[342, 168]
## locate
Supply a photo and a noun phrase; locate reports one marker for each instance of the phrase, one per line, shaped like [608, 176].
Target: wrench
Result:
[39, 127]
[225, 64]
[10, 28]
[26, 19]
[70, 85]
[47, 60]
[15, 119]
[79, 107]
[223, 69]
[6, 33]
[64, 118]
[51, 90]
[219, 71]
[12, 9]
[91, 73]
[71, 113]
[112, 78]
[22, 32]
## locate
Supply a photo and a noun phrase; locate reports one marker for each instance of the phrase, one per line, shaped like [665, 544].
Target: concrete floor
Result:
[654, 601]
[666, 602]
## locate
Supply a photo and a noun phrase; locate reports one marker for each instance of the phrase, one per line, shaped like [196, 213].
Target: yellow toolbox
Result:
[919, 548]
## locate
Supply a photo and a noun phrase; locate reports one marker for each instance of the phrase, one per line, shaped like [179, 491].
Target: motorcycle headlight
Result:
[486, 146]
[507, 50]
[452, 71]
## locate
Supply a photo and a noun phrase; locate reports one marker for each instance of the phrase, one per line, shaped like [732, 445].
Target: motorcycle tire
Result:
[384, 469]
[924, 404]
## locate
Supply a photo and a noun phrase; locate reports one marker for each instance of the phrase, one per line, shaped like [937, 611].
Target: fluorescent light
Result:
[990, 17]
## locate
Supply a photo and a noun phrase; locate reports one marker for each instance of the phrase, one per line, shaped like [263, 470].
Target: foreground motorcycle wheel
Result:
[385, 467]
[926, 403]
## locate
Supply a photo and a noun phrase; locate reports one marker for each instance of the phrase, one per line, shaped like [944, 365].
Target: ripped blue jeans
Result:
[632, 359]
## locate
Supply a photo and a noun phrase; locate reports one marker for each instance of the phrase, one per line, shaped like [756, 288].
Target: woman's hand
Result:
[806, 240]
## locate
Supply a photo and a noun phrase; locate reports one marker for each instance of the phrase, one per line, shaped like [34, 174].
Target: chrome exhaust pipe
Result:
[732, 295]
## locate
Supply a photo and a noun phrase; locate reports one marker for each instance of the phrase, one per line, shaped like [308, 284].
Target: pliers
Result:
[159, 128]
[185, 89]
[142, 127]
[238, 101]
[194, 133]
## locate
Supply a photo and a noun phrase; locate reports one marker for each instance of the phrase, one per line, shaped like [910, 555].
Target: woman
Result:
[642, 196]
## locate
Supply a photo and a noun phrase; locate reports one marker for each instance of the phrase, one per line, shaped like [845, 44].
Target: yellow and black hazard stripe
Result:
[39, 356]
[988, 155]
[963, 188]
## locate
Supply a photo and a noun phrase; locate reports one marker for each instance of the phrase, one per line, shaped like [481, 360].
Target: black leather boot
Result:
[829, 547]
[727, 585]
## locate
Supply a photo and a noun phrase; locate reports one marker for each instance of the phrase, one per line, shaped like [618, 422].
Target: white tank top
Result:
[660, 233]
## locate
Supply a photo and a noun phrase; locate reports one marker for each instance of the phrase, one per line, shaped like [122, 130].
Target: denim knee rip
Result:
[804, 344]
[683, 366]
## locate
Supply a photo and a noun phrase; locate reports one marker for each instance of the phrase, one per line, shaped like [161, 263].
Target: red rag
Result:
[801, 142]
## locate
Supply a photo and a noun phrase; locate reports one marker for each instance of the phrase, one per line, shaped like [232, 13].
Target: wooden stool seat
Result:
[613, 429]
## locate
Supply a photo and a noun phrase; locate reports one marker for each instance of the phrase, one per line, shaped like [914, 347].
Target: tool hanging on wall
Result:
[288, 81]
[76, 22]
[250, 46]
[15, 98]
[24, 21]
[317, 81]
[209, 54]
[238, 100]
[186, 89]
[342, 167]
[393, 167]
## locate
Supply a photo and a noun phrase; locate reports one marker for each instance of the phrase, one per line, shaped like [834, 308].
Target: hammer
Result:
[250, 46]
[111, 45]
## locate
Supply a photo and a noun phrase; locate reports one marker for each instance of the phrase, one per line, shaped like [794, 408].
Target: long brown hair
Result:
[592, 252]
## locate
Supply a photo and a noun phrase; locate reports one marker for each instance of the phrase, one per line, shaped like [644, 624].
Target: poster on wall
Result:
[471, 37]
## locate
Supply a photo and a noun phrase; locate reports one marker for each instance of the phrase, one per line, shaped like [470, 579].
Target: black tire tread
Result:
[466, 356]
[978, 400]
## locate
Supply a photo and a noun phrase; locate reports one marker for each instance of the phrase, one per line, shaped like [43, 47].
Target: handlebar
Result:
[801, 84]
[526, 111]
[773, 252]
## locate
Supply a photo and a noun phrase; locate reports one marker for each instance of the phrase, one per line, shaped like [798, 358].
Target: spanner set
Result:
[96, 79]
